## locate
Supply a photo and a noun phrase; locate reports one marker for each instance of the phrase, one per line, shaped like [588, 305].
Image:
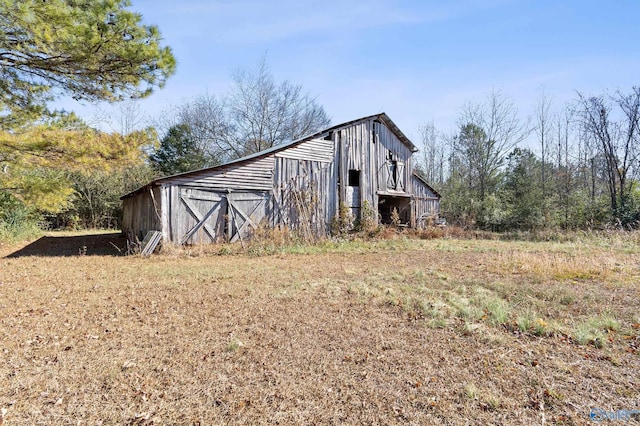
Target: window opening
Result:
[354, 177]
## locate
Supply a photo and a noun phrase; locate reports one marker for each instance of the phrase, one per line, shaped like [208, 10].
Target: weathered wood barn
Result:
[362, 167]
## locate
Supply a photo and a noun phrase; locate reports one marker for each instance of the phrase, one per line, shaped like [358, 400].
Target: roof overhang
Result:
[394, 194]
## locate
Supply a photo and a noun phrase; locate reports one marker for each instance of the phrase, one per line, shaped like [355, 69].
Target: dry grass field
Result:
[398, 331]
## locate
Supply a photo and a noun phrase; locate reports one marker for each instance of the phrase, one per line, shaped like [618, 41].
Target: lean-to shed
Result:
[360, 167]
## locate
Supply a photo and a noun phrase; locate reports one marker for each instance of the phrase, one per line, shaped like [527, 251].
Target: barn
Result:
[362, 167]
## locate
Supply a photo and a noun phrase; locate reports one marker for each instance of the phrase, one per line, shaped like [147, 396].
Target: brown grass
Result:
[436, 331]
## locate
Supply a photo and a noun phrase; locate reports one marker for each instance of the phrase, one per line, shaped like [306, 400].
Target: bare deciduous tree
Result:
[209, 128]
[266, 113]
[543, 129]
[565, 169]
[613, 122]
[127, 117]
[258, 113]
[432, 157]
[494, 129]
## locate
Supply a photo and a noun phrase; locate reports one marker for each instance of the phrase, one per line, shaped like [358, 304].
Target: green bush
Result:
[17, 221]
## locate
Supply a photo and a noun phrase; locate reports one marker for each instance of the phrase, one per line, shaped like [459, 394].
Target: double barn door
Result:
[213, 216]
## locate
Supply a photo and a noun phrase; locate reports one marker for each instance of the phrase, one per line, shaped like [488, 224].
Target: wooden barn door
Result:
[205, 216]
[213, 216]
[246, 210]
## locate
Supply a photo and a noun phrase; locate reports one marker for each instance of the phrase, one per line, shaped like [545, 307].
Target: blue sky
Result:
[418, 61]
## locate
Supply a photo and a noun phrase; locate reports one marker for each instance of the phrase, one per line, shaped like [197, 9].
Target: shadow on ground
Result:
[79, 245]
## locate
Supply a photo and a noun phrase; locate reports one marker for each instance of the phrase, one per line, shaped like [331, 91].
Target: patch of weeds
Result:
[557, 295]
[462, 290]
[572, 275]
[363, 290]
[234, 345]
[541, 328]
[470, 391]
[615, 361]
[419, 275]
[503, 290]
[566, 299]
[498, 311]
[491, 337]
[438, 323]
[447, 246]
[437, 311]
[608, 322]
[593, 330]
[416, 307]
[525, 321]
[586, 334]
[225, 250]
[487, 400]
[491, 402]
[469, 328]
[460, 305]
[464, 309]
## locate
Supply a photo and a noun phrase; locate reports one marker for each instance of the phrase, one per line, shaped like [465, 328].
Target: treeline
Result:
[574, 167]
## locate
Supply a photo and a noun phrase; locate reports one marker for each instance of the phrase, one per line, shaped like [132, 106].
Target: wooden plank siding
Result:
[142, 214]
[426, 202]
[307, 168]
[368, 147]
[189, 206]
[299, 185]
[252, 187]
[247, 210]
[201, 191]
[388, 143]
[314, 150]
[304, 193]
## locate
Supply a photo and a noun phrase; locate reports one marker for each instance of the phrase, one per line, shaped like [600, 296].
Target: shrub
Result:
[17, 221]
[343, 221]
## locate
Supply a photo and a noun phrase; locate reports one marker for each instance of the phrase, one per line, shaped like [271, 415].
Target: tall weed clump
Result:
[17, 221]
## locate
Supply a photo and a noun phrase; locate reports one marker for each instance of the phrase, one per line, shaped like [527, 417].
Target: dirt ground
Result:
[333, 336]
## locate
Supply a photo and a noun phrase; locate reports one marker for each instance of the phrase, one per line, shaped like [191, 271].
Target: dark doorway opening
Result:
[386, 206]
[354, 177]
